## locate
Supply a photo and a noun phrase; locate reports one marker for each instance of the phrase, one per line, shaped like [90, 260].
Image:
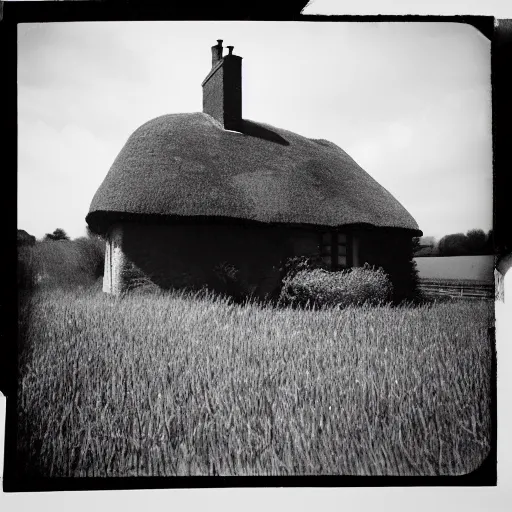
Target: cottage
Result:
[213, 199]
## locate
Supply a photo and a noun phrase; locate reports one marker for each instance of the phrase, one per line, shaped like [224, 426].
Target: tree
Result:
[424, 246]
[427, 241]
[453, 245]
[476, 241]
[25, 239]
[489, 242]
[58, 234]
[424, 252]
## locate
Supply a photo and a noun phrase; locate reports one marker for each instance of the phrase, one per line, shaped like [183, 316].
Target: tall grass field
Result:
[167, 384]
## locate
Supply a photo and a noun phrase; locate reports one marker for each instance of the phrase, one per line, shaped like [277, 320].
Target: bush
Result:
[64, 263]
[24, 239]
[27, 268]
[318, 287]
[229, 284]
[91, 255]
[413, 293]
[300, 263]
[426, 251]
[136, 280]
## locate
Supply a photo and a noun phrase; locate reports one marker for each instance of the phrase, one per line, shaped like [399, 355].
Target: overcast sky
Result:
[411, 103]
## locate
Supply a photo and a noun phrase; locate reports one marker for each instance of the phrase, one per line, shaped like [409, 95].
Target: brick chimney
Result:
[222, 88]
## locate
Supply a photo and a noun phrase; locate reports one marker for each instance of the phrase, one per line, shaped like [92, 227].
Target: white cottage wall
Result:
[107, 272]
[114, 261]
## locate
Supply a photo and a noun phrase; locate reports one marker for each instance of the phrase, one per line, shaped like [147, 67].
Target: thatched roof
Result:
[187, 165]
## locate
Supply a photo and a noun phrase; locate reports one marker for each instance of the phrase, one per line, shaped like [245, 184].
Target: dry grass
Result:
[163, 384]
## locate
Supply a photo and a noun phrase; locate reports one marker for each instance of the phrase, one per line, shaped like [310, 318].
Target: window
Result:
[326, 249]
[335, 250]
[342, 253]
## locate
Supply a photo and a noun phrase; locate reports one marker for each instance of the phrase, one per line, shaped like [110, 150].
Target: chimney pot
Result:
[216, 53]
[230, 48]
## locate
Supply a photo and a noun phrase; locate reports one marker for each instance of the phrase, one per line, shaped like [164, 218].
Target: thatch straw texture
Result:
[188, 165]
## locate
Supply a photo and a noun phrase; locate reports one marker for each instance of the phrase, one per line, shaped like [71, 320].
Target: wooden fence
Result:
[457, 289]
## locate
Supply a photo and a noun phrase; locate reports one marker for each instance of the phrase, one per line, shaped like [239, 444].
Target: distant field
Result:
[472, 268]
